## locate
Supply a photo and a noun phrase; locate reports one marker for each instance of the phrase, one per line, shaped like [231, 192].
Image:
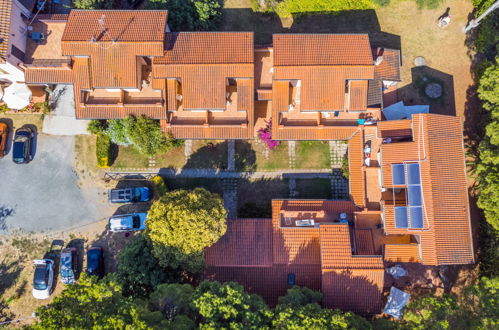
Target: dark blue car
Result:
[129, 195]
[22, 149]
[95, 261]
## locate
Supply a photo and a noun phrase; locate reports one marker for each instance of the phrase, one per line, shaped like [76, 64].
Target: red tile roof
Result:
[321, 49]
[446, 236]
[119, 25]
[357, 175]
[207, 48]
[5, 12]
[389, 68]
[253, 239]
[261, 261]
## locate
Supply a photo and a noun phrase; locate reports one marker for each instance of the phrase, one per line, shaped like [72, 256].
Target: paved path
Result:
[218, 174]
[292, 154]
[231, 155]
[62, 121]
[44, 195]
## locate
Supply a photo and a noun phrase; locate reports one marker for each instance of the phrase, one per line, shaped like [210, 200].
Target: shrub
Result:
[97, 126]
[93, 4]
[190, 15]
[117, 131]
[103, 151]
[265, 134]
[345, 170]
[146, 136]
[160, 185]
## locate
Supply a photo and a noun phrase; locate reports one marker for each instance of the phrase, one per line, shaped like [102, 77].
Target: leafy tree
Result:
[146, 136]
[299, 309]
[488, 87]
[229, 306]
[91, 303]
[312, 316]
[97, 126]
[93, 4]
[139, 271]
[181, 224]
[477, 308]
[117, 130]
[190, 15]
[300, 296]
[173, 300]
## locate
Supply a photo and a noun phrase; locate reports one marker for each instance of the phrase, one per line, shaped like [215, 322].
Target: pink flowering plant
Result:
[266, 136]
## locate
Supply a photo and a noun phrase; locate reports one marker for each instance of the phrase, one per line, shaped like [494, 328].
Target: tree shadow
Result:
[245, 156]
[212, 156]
[9, 273]
[414, 93]
[79, 245]
[350, 21]
[5, 213]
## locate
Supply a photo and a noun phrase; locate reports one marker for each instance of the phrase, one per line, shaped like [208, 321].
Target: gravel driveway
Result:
[44, 195]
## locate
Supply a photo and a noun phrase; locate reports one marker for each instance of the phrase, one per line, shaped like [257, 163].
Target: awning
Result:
[396, 302]
[399, 111]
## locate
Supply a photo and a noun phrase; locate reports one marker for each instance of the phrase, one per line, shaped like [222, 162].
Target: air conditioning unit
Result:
[305, 223]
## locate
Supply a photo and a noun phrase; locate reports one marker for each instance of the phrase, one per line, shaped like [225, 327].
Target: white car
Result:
[44, 276]
[128, 222]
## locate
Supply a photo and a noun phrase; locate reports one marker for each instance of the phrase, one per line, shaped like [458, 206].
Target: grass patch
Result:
[255, 197]
[31, 247]
[312, 155]
[208, 154]
[277, 158]
[313, 188]
[19, 120]
[129, 157]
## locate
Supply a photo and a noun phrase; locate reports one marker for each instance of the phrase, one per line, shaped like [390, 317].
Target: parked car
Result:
[69, 265]
[43, 278]
[129, 195]
[127, 222]
[4, 136]
[22, 149]
[95, 261]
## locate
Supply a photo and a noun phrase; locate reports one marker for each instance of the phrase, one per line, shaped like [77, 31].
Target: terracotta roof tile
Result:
[207, 48]
[375, 93]
[321, 49]
[5, 12]
[389, 68]
[357, 290]
[49, 75]
[313, 133]
[364, 243]
[446, 236]
[357, 179]
[252, 237]
[120, 25]
[358, 95]
[323, 87]
[268, 282]
[402, 253]
[390, 128]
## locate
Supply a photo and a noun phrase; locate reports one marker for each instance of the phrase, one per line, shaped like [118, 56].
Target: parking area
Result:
[46, 195]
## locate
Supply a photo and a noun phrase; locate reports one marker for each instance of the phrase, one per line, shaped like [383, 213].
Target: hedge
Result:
[103, 151]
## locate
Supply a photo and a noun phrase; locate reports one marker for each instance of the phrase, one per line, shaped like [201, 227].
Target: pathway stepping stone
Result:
[231, 152]
[339, 185]
[230, 197]
[293, 193]
[187, 149]
[292, 154]
[337, 150]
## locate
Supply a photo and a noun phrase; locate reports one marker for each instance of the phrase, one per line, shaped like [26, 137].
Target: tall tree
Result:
[181, 224]
[88, 304]
[229, 306]
[139, 272]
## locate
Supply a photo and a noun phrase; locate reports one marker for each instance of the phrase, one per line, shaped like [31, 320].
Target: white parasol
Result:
[17, 96]
[1, 92]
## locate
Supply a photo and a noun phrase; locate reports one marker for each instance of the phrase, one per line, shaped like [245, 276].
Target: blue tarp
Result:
[399, 111]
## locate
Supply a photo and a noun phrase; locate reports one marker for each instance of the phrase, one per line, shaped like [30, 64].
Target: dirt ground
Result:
[16, 269]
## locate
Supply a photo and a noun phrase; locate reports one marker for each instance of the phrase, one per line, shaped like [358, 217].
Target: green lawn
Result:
[129, 157]
[208, 154]
[312, 155]
[313, 188]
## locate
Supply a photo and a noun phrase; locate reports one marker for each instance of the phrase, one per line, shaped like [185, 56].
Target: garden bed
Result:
[313, 188]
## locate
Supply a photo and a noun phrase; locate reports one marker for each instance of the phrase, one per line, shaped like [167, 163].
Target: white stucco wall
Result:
[11, 70]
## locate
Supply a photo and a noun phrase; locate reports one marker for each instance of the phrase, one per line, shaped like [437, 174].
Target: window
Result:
[398, 174]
